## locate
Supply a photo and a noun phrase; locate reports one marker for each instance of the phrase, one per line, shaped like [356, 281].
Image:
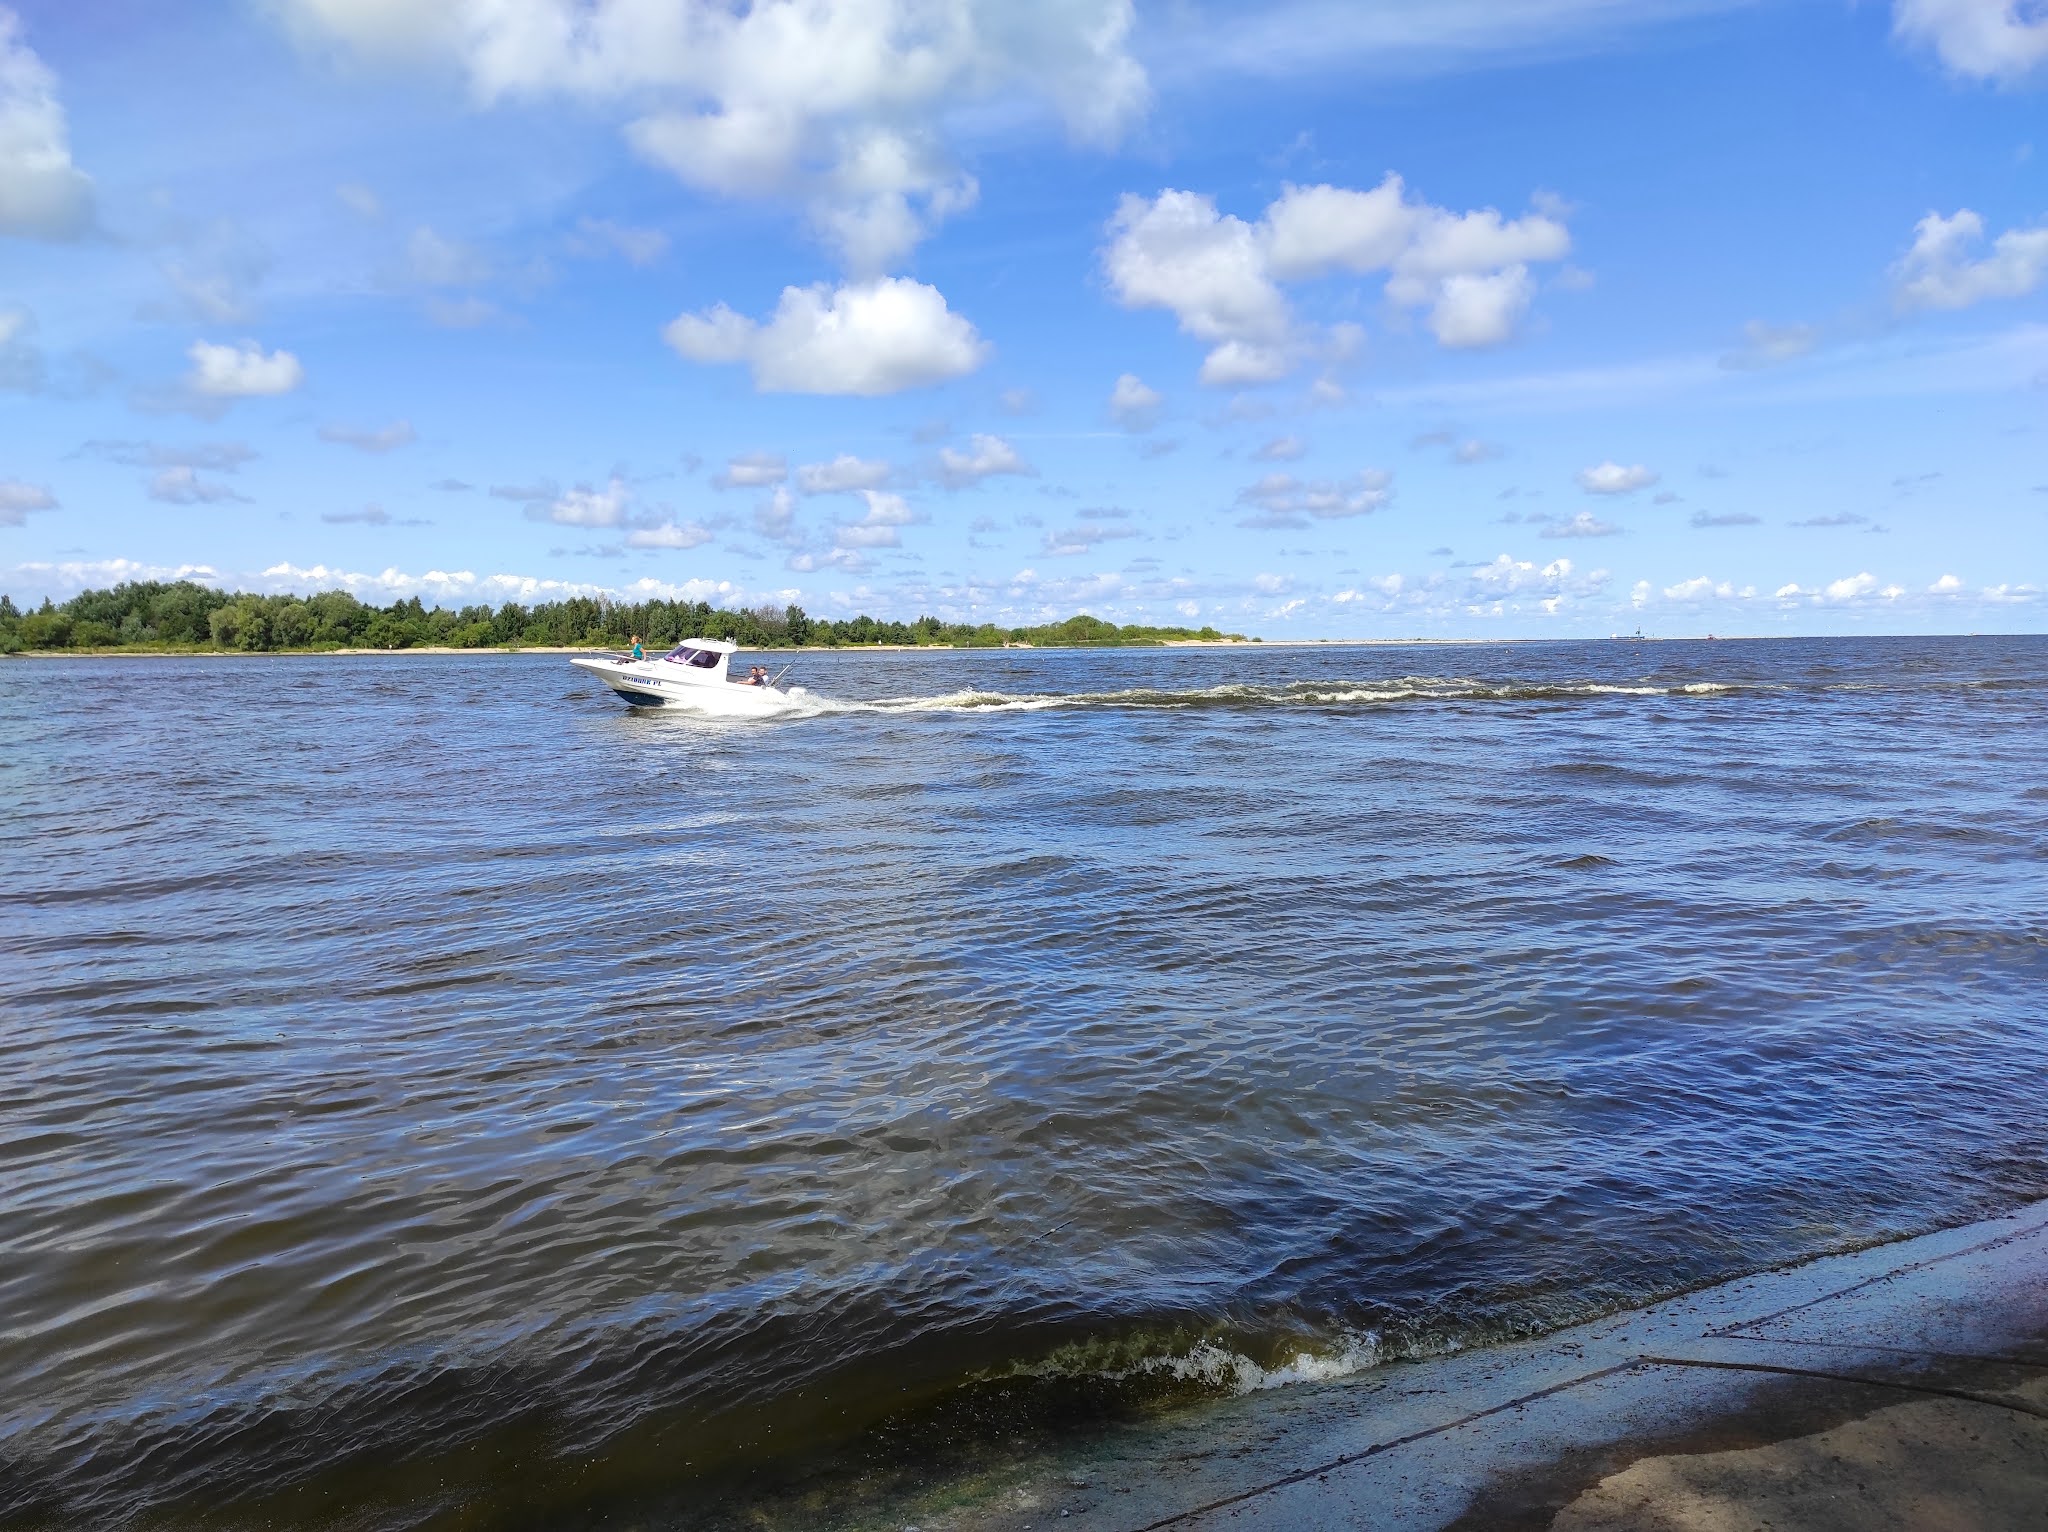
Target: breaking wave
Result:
[1216, 1366]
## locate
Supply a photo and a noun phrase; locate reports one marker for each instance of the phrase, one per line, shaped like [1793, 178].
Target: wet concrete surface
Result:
[1904, 1385]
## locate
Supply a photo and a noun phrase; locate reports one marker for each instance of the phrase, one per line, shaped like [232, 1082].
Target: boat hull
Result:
[655, 683]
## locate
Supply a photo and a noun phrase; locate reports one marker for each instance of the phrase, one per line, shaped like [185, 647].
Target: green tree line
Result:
[149, 614]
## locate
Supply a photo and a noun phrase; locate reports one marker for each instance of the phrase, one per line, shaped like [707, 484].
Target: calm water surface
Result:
[431, 1094]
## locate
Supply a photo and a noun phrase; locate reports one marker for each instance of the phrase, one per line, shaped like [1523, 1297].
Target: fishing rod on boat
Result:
[783, 672]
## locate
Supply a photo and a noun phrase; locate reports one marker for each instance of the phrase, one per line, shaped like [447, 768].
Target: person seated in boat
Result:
[637, 654]
[756, 676]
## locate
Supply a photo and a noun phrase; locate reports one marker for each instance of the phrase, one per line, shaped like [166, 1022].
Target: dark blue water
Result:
[433, 1094]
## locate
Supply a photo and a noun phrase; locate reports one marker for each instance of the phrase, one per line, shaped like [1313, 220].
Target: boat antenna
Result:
[783, 672]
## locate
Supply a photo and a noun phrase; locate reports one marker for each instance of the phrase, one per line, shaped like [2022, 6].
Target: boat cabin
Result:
[704, 659]
[693, 674]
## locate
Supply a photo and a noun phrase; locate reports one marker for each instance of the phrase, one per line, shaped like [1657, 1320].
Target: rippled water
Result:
[431, 1093]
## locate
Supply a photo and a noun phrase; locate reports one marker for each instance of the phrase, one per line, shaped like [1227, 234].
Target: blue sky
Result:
[1424, 317]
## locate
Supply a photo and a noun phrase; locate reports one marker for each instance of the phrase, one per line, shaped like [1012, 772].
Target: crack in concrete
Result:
[1301, 1476]
[1966, 1395]
[1993, 1243]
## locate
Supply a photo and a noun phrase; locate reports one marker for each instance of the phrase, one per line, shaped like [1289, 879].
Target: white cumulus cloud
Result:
[1209, 268]
[1507, 577]
[1283, 501]
[1611, 478]
[775, 517]
[842, 108]
[752, 470]
[669, 534]
[182, 485]
[1705, 588]
[42, 194]
[1861, 589]
[1850, 587]
[985, 458]
[843, 475]
[1246, 364]
[454, 587]
[1281, 449]
[586, 507]
[868, 338]
[21, 361]
[1468, 273]
[1133, 405]
[1585, 524]
[1469, 270]
[1312, 230]
[17, 499]
[1480, 309]
[878, 529]
[242, 371]
[2004, 594]
[849, 559]
[1937, 272]
[1083, 538]
[1984, 39]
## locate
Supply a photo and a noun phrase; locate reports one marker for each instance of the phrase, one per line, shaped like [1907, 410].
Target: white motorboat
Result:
[692, 675]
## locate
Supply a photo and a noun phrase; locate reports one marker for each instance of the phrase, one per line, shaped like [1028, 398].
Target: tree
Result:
[181, 613]
[46, 629]
[292, 623]
[243, 623]
[509, 623]
[338, 618]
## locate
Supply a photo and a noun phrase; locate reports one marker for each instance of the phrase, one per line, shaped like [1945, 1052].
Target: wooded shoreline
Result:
[185, 617]
[118, 652]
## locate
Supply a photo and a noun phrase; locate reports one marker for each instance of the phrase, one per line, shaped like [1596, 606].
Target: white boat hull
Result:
[659, 683]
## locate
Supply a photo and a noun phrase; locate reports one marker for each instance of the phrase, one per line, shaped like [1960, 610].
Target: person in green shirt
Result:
[636, 648]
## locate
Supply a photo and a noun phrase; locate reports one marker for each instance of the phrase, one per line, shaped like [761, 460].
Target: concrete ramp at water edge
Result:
[1903, 1386]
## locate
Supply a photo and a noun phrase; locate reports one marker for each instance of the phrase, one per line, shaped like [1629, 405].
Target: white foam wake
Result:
[1308, 694]
[1411, 690]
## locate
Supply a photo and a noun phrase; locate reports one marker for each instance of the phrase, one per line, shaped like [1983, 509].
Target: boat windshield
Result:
[703, 659]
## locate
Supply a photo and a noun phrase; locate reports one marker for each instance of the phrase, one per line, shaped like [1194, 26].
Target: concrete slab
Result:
[1955, 1321]
[1939, 1465]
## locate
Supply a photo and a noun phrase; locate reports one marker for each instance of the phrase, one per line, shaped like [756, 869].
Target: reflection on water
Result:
[433, 1091]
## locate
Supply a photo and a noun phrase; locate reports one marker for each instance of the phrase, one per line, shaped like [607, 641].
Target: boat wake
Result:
[1245, 697]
